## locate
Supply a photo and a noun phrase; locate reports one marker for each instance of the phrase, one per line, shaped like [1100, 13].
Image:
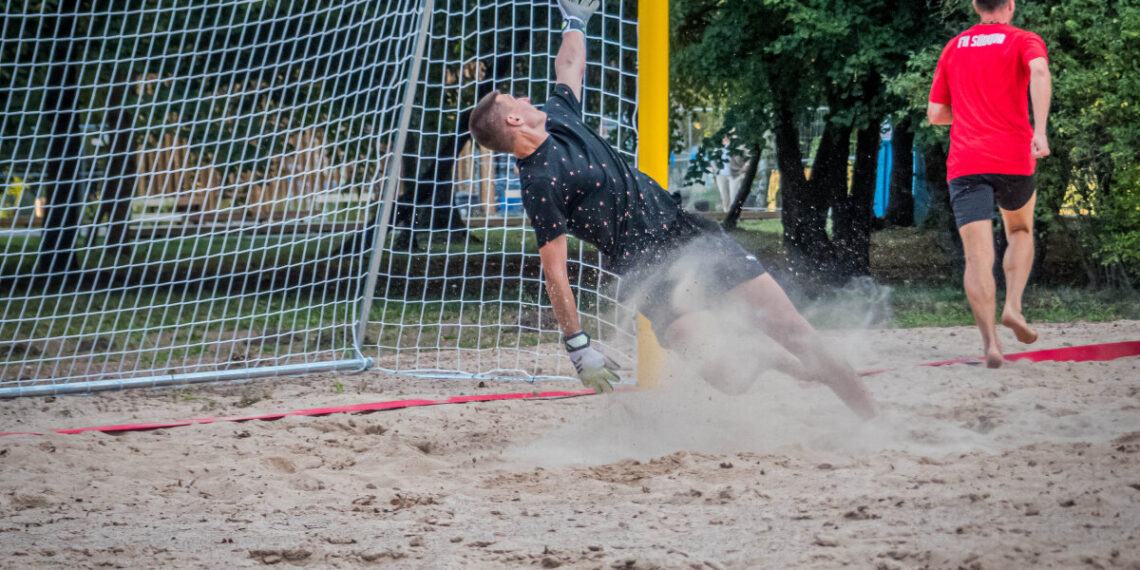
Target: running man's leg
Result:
[784, 323]
[978, 245]
[1017, 263]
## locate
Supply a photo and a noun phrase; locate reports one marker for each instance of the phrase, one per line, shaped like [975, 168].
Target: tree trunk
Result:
[422, 192]
[406, 210]
[829, 171]
[855, 213]
[900, 207]
[121, 168]
[443, 215]
[431, 206]
[427, 201]
[827, 189]
[793, 187]
[64, 200]
[806, 202]
[733, 216]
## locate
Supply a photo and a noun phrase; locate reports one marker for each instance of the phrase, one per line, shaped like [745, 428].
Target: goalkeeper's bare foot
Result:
[851, 389]
[855, 394]
[1016, 322]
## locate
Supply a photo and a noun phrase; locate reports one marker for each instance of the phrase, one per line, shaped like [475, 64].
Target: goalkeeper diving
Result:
[575, 183]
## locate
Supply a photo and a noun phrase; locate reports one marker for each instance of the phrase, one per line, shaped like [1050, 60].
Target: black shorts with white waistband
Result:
[972, 196]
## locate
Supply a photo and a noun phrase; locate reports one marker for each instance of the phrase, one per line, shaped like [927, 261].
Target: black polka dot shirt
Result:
[576, 183]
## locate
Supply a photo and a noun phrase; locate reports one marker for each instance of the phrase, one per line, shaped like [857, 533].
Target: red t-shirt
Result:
[983, 74]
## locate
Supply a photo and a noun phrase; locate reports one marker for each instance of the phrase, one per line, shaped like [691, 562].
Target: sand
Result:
[1033, 465]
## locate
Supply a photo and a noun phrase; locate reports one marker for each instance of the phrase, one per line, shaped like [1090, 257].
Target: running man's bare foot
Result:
[994, 357]
[1021, 329]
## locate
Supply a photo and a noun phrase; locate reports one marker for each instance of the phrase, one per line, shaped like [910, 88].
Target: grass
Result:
[767, 228]
[212, 254]
[211, 329]
[95, 329]
[947, 306]
[169, 324]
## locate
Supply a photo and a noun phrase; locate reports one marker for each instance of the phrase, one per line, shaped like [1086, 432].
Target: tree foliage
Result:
[228, 78]
[769, 63]
[1095, 57]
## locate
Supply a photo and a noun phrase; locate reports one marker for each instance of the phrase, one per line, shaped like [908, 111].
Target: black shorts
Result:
[691, 276]
[972, 196]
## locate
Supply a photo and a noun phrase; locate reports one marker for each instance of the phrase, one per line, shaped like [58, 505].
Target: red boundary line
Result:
[356, 408]
[1088, 353]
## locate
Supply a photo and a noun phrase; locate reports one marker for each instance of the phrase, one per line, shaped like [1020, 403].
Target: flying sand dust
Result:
[765, 411]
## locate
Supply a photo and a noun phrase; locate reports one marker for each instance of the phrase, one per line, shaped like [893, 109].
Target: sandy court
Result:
[1034, 465]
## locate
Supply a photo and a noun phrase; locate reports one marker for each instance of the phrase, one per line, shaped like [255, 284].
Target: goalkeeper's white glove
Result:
[595, 370]
[576, 13]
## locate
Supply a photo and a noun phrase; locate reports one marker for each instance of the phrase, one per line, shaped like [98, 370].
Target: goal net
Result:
[213, 190]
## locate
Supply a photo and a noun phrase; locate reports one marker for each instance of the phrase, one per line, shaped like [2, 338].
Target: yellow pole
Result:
[652, 147]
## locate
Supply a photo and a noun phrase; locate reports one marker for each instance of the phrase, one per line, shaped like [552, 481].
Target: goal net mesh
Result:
[195, 190]
[461, 286]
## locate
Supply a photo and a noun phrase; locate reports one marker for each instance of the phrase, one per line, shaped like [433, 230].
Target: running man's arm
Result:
[570, 65]
[553, 256]
[939, 114]
[938, 104]
[1041, 93]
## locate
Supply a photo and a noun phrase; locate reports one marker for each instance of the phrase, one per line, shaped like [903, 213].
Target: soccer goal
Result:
[213, 190]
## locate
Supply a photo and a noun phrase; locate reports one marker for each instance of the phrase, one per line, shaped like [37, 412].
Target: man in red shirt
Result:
[980, 90]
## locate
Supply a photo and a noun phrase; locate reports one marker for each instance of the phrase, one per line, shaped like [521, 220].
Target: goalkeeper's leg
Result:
[780, 319]
[729, 355]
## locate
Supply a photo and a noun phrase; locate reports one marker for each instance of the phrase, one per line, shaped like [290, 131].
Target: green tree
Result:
[1095, 167]
[769, 63]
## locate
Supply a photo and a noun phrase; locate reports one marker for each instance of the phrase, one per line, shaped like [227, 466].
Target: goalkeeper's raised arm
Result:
[570, 65]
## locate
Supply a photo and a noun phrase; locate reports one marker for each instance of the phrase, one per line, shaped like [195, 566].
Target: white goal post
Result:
[207, 190]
